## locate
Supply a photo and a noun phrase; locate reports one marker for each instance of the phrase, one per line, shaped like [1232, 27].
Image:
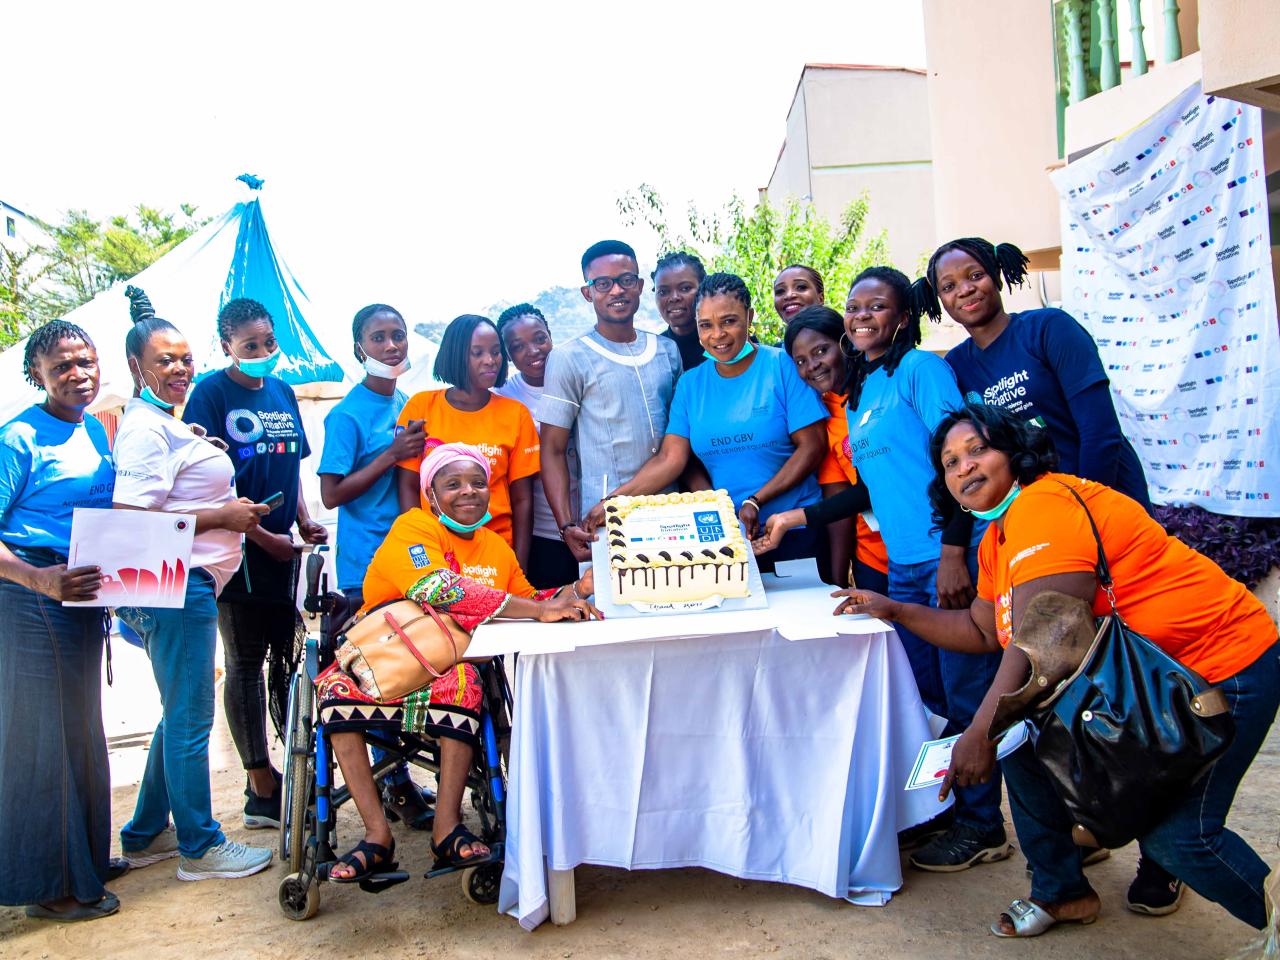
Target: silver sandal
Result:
[1030, 920]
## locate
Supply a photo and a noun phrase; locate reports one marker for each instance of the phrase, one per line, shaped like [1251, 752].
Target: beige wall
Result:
[856, 129]
[1111, 113]
[1240, 47]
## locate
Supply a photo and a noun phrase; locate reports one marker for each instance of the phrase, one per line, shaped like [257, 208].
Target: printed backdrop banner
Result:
[1166, 260]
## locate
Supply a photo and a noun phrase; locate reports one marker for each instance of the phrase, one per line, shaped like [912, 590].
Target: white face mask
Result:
[376, 368]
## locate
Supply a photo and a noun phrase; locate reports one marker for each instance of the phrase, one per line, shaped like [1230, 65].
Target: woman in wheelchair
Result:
[446, 558]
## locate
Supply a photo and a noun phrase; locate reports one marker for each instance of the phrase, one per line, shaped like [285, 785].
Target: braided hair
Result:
[906, 339]
[143, 323]
[45, 338]
[1003, 261]
[814, 276]
[675, 259]
[237, 313]
[513, 313]
[363, 316]
[723, 284]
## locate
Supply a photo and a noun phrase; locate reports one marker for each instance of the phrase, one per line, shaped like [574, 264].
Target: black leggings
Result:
[551, 564]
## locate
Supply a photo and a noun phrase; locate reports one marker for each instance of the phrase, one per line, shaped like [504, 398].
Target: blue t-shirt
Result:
[263, 432]
[889, 442]
[740, 427]
[356, 431]
[48, 467]
[1045, 368]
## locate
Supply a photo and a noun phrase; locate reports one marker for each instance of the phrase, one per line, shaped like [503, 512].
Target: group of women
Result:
[927, 489]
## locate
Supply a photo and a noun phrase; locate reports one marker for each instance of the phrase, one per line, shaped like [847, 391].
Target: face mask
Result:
[258, 366]
[457, 527]
[744, 352]
[376, 368]
[149, 395]
[999, 509]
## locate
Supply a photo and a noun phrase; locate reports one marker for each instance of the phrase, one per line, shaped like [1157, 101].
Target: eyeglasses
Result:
[627, 281]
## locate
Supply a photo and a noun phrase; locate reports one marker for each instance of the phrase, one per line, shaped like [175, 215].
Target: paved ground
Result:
[644, 914]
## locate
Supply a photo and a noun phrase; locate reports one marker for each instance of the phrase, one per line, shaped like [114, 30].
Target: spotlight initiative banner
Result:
[1166, 260]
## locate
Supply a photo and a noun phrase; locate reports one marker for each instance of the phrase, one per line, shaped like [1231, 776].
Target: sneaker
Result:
[164, 846]
[1155, 891]
[262, 813]
[922, 833]
[226, 861]
[962, 847]
[410, 803]
[1091, 856]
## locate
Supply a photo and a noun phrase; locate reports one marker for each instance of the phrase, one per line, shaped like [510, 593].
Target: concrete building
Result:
[854, 128]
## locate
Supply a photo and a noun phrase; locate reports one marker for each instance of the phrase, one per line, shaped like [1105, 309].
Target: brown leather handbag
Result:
[399, 647]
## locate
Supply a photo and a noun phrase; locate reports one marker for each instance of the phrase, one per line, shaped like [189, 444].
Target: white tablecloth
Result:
[744, 753]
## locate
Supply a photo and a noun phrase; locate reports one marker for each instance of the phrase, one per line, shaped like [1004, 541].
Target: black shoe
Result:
[1155, 891]
[962, 847]
[117, 867]
[922, 833]
[262, 813]
[410, 803]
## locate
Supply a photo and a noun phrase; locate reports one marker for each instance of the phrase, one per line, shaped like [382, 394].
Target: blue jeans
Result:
[180, 644]
[951, 684]
[55, 791]
[1192, 842]
[398, 776]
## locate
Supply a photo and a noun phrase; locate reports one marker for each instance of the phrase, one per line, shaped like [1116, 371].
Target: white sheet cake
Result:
[674, 548]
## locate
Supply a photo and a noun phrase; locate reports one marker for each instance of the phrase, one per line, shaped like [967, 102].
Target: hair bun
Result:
[139, 305]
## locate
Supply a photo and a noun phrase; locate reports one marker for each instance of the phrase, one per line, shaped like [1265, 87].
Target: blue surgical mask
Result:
[744, 352]
[258, 366]
[998, 510]
[149, 395]
[457, 527]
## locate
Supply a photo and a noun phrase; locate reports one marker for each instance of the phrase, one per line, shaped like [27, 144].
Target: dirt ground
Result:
[645, 914]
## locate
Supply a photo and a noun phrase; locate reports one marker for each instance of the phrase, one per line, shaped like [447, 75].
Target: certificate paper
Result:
[935, 756]
[144, 556]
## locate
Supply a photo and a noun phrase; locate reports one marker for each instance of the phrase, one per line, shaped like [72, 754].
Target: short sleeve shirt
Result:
[162, 465]
[357, 430]
[544, 521]
[502, 428]
[837, 467]
[740, 427]
[265, 439]
[418, 543]
[48, 467]
[614, 398]
[1177, 598]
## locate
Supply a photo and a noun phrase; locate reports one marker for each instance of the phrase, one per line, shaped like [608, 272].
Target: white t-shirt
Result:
[162, 465]
[544, 521]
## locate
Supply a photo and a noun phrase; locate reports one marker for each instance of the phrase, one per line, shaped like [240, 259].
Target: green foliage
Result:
[757, 243]
[80, 259]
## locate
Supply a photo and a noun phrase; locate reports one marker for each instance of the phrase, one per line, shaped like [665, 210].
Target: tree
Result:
[757, 243]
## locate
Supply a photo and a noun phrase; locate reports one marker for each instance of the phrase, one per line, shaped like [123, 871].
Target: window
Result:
[10, 228]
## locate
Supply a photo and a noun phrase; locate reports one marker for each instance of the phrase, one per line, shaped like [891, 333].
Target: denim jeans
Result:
[55, 790]
[399, 774]
[1192, 842]
[951, 684]
[180, 644]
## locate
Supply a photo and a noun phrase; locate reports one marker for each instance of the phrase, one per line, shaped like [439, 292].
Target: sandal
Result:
[446, 851]
[407, 802]
[1030, 919]
[377, 860]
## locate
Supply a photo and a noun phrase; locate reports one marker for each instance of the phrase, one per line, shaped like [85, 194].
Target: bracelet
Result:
[753, 501]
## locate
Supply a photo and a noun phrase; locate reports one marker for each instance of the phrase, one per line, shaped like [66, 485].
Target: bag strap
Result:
[1102, 569]
[399, 631]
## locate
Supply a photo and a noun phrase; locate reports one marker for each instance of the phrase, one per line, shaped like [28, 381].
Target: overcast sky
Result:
[436, 157]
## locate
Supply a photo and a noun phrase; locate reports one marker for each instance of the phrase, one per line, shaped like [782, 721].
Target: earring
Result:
[964, 508]
[848, 352]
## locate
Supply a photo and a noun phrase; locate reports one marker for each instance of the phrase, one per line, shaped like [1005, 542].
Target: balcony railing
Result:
[1087, 49]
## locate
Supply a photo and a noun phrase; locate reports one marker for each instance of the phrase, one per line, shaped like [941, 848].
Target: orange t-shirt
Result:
[419, 543]
[837, 467]
[502, 428]
[1178, 599]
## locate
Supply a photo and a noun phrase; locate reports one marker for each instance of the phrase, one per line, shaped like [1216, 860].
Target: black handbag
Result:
[1125, 736]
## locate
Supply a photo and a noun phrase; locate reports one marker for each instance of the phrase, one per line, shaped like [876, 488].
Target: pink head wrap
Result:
[441, 456]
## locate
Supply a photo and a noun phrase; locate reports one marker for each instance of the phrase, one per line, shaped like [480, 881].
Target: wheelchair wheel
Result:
[299, 767]
[298, 900]
[480, 884]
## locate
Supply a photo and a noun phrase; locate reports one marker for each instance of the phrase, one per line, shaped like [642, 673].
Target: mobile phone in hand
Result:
[273, 501]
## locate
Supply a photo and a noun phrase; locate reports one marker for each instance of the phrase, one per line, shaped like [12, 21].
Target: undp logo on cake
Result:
[706, 517]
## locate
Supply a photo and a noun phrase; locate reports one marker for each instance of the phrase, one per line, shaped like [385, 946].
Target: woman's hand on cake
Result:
[594, 519]
[856, 600]
[567, 607]
[775, 528]
[749, 514]
[586, 586]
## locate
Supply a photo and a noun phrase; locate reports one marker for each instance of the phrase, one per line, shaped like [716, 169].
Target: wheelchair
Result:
[311, 799]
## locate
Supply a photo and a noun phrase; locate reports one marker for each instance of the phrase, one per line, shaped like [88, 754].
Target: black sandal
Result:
[405, 801]
[446, 851]
[377, 860]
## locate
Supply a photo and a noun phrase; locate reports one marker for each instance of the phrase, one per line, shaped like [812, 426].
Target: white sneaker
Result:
[226, 861]
[162, 847]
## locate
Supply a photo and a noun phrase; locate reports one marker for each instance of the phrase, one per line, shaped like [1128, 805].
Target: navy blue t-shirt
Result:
[263, 432]
[1045, 367]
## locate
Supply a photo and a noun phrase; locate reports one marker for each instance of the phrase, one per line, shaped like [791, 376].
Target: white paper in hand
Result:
[935, 756]
[145, 557]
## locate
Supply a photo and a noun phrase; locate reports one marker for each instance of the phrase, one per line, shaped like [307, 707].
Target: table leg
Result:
[562, 900]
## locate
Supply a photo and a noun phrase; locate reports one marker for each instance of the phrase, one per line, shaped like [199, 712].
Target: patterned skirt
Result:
[450, 707]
